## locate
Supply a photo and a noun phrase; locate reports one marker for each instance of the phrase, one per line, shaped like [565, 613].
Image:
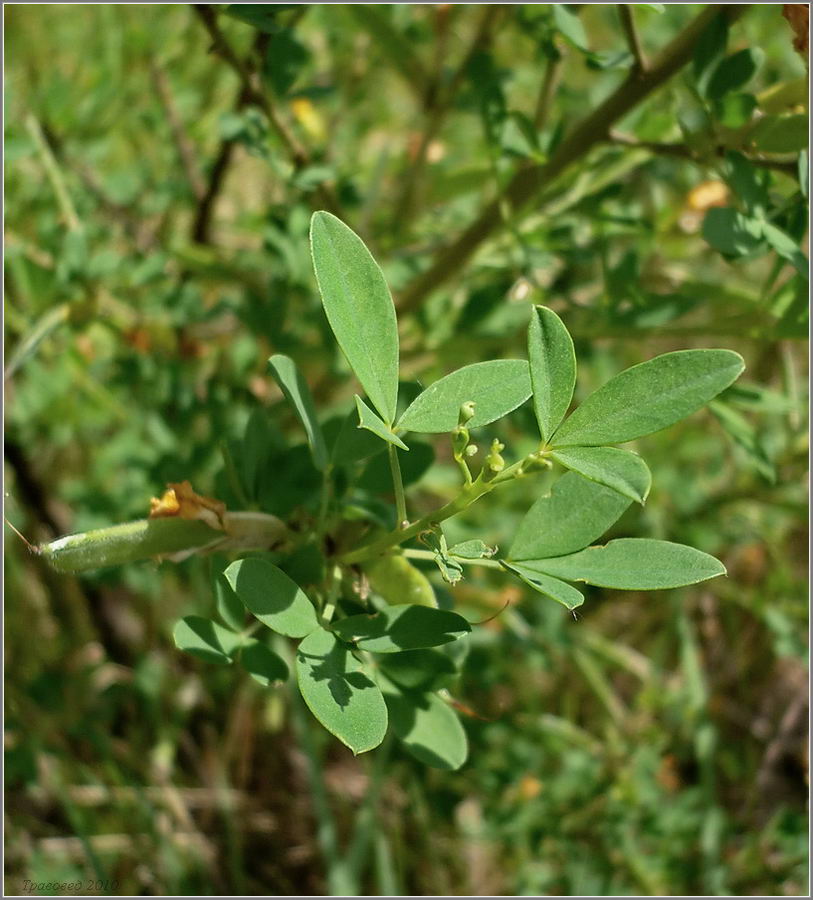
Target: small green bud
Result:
[494, 461]
[471, 450]
[466, 412]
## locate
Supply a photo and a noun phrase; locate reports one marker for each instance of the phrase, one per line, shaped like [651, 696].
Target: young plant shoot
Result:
[372, 645]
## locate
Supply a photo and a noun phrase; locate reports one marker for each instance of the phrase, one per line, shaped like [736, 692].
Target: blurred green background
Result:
[156, 254]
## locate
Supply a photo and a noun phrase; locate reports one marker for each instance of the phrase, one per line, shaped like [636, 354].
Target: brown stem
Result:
[298, 155]
[550, 83]
[183, 143]
[631, 34]
[590, 131]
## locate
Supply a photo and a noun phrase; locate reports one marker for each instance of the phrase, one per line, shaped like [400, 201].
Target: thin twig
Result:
[437, 110]
[633, 39]
[550, 83]
[183, 143]
[296, 151]
[202, 222]
[54, 174]
[685, 152]
[586, 134]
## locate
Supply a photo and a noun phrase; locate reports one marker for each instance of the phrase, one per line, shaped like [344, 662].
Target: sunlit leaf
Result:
[370, 421]
[553, 368]
[339, 692]
[359, 308]
[621, 470]
[298, 394]
[270, 595]
[496, 388]
[634, 564]
[395, 579]
[557, 590]
[429, 728]
[574, 514]
[649, 397]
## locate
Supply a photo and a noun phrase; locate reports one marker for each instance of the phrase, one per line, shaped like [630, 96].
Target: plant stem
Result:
[631, 34]
[429, 555]
[398, 485]
[660, 148]
[54, 174]
[298, 154]
[547, 91]
[586, 134]
[468, 495]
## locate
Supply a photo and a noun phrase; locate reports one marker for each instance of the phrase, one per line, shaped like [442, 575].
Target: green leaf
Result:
[734, 71]
[634, 564]
[396, 580]
[735, 110]
[731, 232]
[370, 421]
[568, 24]
[296, 391]
[781, 134]
[621, 470]
[420, 670]
[270, 595]
[284, 60]
[709, 50]
[553, 369]
[786, 247]
[403, 627]
[649, 397]
[353, 444]
[451, 571]
[206, 639]
[339, 692]
[263, 664]
[746, 436]
[748, 183]
[428, 728]
[496, 388]
[263, 16]
[229, 607]
[804, 174]
[359, 308]
[472, 550]
[557, 590]
[576, 512]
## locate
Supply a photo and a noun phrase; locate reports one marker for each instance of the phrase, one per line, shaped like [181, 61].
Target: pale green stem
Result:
[464, 499]
[430, 555]
[398, 485]
[54, 175]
